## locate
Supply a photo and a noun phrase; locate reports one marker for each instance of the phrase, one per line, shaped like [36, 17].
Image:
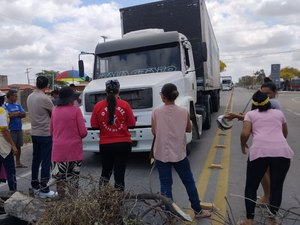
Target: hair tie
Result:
[261, 103]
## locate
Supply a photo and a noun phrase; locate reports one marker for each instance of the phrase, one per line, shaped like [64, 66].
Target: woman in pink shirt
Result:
[67, 130]
[269, 149]
[169, 126]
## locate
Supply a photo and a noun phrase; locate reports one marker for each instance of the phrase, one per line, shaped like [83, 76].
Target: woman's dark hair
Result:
[267, 79]
[270, 85]
[112, 88]
[260, 97]
[41, 82]
[170, 91]
[2, 98]
[66, 96]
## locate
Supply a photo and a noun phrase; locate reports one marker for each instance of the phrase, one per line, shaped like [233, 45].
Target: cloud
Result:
[50, 34]
[253, 35]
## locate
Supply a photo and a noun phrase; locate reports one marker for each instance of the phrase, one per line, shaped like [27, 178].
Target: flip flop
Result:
[244, 222]
[21, 166]
[203, 214]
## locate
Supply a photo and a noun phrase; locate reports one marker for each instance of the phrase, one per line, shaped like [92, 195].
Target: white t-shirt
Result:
[5, 147]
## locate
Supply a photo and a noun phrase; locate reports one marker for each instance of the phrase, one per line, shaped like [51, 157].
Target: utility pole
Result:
[27, 72]
[104, 38]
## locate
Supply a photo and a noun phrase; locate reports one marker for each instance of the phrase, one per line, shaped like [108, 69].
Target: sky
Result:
[49, 35]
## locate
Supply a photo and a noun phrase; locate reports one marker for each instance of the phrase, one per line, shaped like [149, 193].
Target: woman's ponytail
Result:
[112, 88]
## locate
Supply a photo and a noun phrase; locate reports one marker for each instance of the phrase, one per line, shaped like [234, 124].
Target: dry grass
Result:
[107, 206]
[96, 206]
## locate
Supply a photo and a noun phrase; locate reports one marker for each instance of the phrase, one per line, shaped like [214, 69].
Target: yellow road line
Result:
[223, 177]
[206, 171]
[222, 184]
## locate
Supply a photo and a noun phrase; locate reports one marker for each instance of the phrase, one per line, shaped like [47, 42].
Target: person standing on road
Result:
[113, 117]
[169, 126]
[67, 130]
[40, 107]
[270, 89]
[269, 149]
[7, 147]
[54, 96]
[16, 114]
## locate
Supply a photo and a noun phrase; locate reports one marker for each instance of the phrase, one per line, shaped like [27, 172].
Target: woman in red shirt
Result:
[113, 116]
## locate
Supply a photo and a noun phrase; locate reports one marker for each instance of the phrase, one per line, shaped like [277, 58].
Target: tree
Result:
[246, 81]
[222, 66]
[260, 76]
[51, 74]
[289, 72]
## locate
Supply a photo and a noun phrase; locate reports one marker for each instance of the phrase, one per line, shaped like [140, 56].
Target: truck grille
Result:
[137, 98]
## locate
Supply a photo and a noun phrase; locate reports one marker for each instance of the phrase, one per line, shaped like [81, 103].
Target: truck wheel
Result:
[215, 98]
[207, 104]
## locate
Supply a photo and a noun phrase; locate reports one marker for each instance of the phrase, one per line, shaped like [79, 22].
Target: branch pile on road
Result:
[109, 206]
[263, 215]
[96, 206]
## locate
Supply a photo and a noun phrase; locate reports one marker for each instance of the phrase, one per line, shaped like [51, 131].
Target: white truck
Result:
[163, 42]
[227, 83]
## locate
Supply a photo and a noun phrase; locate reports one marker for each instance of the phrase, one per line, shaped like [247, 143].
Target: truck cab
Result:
[226, 82]
[143, 61]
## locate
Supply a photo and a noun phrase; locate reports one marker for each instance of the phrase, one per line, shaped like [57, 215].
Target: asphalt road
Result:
[215, 147]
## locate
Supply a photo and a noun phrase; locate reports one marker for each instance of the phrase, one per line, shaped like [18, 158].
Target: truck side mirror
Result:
[81, 68]
[204, 51]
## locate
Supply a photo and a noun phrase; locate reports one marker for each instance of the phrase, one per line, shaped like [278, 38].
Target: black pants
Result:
[114, 158]
[256, 169]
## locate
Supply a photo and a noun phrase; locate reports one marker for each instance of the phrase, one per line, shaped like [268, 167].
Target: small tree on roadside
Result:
[51, 75]
[260, 75]
[222, 66]
[289, 72]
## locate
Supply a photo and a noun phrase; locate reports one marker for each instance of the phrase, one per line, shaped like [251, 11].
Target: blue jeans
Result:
[184, 171]
[9, 165]
[41, 156]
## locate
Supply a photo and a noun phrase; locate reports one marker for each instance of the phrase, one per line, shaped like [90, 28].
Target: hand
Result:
[14, 150]
[245, 149]
[240, 116]
[230, 116]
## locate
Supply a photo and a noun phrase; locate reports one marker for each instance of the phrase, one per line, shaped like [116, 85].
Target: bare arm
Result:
[188, 125]
[17, 114]
[245, 134]
[7, 137]
[285, 130]
[153, 128]
[231, 116]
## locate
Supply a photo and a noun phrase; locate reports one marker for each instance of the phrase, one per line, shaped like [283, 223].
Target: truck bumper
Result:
[141, 140]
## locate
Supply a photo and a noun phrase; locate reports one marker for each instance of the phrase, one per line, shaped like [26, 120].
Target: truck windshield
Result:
[154, 59]
[226, 81]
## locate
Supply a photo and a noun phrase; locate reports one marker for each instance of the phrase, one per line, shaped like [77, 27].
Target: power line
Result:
[234, 57]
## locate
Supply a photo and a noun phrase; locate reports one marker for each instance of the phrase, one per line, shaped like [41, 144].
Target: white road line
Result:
[295, 99]
[18, 177]
[291, 111]
[297, 114]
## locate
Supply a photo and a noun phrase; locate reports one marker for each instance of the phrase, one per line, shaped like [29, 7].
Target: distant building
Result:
[3, 80]
[23, 91]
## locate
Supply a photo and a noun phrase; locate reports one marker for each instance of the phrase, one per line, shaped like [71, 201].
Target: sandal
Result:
[21, 166]
[202, 214]
[245, 222]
